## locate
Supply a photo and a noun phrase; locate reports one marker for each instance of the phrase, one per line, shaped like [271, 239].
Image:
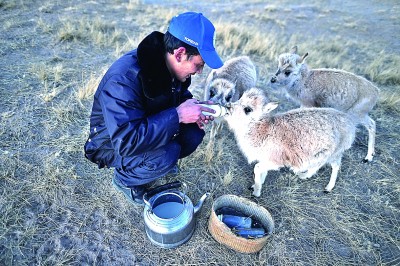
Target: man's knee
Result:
[190, 137]
[148, 166]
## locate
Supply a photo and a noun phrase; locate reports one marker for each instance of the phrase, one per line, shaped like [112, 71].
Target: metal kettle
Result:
[169, 215]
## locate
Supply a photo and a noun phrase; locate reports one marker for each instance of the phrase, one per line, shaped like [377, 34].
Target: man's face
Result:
[188, 66]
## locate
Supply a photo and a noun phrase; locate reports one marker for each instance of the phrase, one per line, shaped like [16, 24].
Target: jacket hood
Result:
[154, 74]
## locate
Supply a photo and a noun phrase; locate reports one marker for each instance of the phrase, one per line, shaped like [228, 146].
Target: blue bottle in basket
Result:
[235, 221]
[249, 232]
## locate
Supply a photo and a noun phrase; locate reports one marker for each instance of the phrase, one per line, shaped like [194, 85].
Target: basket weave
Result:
[223, 234]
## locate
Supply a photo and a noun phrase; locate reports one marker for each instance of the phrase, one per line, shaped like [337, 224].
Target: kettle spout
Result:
[200, 203]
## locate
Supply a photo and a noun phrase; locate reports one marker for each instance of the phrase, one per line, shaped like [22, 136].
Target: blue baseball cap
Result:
[196, 30]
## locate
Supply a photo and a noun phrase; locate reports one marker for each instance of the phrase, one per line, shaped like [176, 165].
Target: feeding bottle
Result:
[235, 221]
[219, 109]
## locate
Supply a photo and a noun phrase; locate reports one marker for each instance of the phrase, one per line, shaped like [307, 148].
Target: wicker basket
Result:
[224, 235]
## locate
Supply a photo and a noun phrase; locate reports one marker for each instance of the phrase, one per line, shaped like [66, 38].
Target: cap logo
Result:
[191, 41]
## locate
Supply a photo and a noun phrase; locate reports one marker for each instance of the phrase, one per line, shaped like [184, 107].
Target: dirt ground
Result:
[57, 208]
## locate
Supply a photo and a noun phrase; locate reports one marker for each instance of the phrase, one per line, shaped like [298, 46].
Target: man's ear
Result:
[179, 53]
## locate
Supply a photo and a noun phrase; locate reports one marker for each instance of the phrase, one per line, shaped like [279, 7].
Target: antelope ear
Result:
[303, 58]
[293, 50]
[270, 107]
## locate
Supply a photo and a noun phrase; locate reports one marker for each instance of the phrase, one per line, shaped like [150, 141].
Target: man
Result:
[143, 116]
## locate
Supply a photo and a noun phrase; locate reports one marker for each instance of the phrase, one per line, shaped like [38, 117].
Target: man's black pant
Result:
[151, 165]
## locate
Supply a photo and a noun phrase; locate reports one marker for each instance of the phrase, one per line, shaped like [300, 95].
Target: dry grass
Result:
[57, 208]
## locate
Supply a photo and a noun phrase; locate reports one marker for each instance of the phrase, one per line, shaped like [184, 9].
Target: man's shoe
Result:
[133, 194]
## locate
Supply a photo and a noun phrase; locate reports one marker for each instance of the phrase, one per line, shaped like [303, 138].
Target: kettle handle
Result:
[160, 188]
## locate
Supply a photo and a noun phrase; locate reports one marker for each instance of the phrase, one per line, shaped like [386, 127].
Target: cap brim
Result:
[211, 58]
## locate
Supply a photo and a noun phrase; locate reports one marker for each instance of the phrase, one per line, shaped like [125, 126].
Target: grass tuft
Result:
[96, 30]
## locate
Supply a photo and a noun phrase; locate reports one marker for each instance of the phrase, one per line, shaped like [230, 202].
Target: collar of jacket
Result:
[154, 74]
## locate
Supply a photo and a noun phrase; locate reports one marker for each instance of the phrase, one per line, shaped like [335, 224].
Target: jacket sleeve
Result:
[131, 131]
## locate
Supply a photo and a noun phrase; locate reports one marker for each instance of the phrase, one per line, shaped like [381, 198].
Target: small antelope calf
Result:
[323, 87]
[226, 85]
[302, 139]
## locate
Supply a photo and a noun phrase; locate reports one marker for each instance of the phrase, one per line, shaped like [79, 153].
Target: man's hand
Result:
[202, 123]
[191, 112]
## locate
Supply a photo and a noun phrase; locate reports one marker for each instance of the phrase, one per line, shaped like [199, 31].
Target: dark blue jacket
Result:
[134, 108]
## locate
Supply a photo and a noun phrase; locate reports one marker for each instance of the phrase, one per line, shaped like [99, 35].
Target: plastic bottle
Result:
[219, 109]
[235, 221]
[250, 232]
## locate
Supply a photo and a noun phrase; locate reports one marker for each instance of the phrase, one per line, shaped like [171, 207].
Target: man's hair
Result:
[171, 43]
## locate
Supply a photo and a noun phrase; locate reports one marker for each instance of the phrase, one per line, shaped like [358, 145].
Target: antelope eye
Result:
[287, 73]
[212, 93]
[247, 110]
